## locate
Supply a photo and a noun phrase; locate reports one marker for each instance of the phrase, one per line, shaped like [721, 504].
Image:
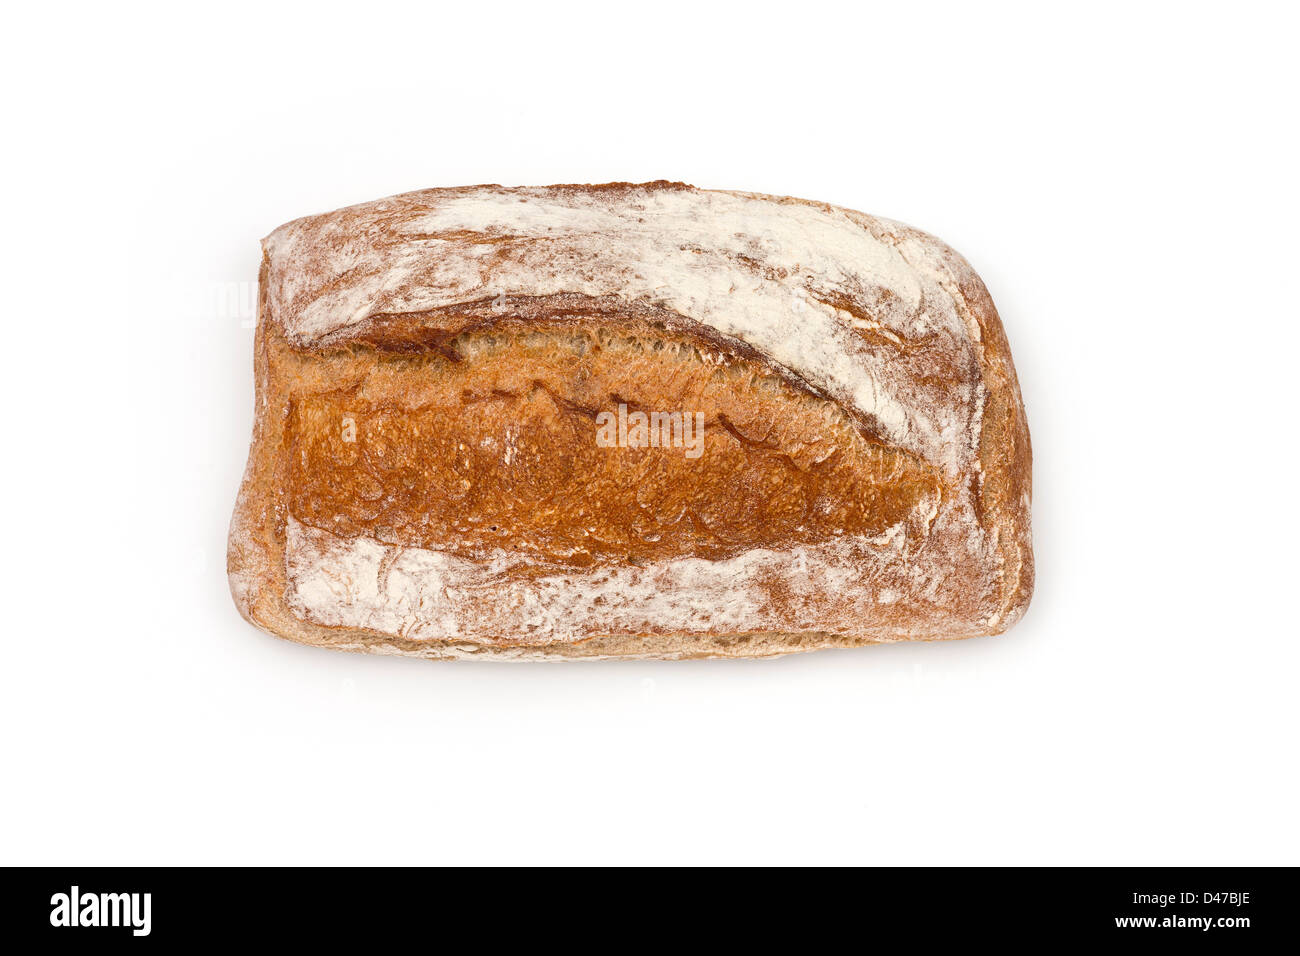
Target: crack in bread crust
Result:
[489, 441]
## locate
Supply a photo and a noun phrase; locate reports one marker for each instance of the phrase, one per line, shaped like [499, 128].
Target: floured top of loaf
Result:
[861, 309]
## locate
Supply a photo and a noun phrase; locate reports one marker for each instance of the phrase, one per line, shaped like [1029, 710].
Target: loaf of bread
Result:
[627, 421]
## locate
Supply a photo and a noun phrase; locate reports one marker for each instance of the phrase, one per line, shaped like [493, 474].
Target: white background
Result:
[1124, 179]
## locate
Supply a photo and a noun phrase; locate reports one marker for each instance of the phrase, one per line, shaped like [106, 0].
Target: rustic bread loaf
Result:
[627, 421]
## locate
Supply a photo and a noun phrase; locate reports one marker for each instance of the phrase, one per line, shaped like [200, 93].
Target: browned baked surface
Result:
[427, 480]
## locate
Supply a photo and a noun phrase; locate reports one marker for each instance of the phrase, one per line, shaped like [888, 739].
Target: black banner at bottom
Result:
[1179, 907]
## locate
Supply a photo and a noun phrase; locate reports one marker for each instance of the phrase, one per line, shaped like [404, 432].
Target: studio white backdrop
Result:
[1123, 178]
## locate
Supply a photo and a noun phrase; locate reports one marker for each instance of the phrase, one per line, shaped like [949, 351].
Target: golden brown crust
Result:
[471, 513]
[1005, 480]
[421, 463]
